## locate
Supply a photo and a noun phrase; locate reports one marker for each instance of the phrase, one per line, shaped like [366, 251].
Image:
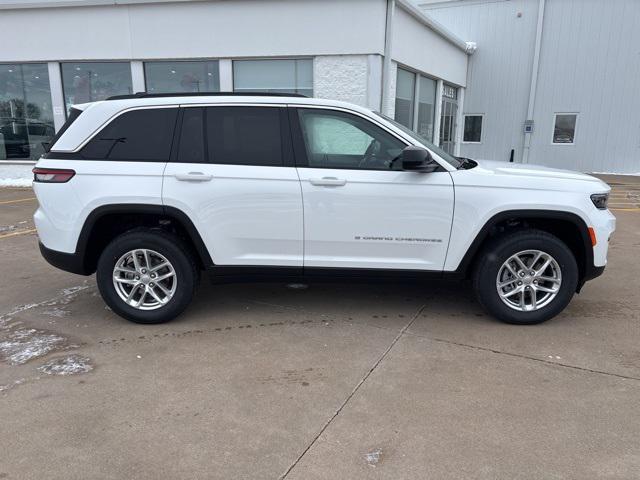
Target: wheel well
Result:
[565, 229]
[109, 225]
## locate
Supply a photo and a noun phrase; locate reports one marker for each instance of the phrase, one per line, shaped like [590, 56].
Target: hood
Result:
[490, 173]
[535, 172]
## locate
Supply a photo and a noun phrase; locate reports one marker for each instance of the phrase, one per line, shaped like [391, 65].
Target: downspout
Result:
[386, 61]
[534, 81]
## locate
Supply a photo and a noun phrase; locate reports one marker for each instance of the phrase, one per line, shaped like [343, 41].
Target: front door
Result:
[360, 209]
[233, 175]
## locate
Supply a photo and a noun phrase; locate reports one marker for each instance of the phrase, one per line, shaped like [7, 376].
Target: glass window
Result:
[182, 76]
[341, 140]
[144, 134]
[26, 116]
[426, 107]
[472, 129]
[278, 76]
[244, 135]
[405, 91]
[564, 129]
[87, 82]
[192, 136]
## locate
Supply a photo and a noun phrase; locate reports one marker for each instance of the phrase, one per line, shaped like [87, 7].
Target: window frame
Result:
[285, 134]
[464, 121]
[299, 146]
[575, 128]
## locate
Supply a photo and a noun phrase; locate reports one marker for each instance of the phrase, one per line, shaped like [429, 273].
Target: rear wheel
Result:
[526, 277]
[147, 276]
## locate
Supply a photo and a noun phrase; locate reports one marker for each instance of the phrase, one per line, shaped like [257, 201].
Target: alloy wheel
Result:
[144, 279]
[529, 280]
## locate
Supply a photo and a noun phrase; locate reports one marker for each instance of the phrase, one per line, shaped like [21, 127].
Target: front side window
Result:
[138, 135]
[564, 129]
[91, 81]
[405, 97]
[182, 76]
[276, 76]
[472, 129]
[26, 116]
[341, 140]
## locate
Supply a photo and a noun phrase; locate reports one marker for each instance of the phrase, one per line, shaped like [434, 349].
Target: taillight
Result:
[52, 175]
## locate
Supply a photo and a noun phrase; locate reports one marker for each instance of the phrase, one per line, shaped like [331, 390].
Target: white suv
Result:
[149, 190]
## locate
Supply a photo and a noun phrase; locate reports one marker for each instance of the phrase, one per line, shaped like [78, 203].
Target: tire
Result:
[160, 247]
[525, 244]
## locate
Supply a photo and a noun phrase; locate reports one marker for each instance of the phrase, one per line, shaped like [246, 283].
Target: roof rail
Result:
[204, 94]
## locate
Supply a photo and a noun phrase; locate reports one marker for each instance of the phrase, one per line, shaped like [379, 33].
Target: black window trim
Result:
[286, 142]
[302, 161]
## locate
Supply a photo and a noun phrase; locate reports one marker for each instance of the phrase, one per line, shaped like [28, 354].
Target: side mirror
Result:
[417, 159]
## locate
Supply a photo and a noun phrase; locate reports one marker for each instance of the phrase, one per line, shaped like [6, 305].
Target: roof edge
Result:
[466, 47]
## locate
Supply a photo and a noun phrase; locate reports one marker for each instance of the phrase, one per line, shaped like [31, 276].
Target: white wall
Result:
[341, 77]
[423, 49]
[241, 28]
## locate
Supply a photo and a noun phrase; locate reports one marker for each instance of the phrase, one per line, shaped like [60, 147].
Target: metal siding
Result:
[499, 71]
[589, 63]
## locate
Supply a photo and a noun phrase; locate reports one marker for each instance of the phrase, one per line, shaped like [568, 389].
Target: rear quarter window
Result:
[137, 135]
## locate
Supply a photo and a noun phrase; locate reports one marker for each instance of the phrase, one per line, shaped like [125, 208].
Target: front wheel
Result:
[526, 277]
[147, 276]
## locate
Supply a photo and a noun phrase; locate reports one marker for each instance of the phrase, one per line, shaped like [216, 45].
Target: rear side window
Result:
[244, 135]
[231, 136]
[138, 135]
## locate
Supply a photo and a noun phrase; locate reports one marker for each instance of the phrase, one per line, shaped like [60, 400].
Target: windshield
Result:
[450, 159]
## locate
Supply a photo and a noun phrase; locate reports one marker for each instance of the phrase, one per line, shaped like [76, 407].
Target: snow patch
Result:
[7, 228]
[374, 457]
[22, 345]
[15, 175]
[9, 386]
[69, 365]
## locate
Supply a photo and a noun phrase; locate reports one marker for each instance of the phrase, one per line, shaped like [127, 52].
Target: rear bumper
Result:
[69, 262]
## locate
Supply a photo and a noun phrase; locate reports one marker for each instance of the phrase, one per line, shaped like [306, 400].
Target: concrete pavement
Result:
[333, 381]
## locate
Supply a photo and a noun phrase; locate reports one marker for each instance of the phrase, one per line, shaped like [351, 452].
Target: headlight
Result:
[600, 200]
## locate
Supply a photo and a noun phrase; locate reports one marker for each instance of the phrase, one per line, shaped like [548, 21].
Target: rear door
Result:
[233, 175]
[360, 209]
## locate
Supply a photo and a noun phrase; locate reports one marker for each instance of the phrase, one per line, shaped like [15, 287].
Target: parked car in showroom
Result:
[148, 191]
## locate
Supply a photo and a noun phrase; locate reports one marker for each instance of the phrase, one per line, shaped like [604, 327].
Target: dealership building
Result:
[385, 55]
[533, 81]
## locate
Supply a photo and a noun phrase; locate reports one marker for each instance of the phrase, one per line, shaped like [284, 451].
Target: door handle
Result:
[193, 177]
[328, 182]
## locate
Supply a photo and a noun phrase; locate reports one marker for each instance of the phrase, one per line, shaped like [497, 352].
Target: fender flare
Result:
[82, 244]
[587, 269]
